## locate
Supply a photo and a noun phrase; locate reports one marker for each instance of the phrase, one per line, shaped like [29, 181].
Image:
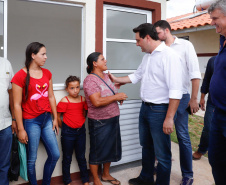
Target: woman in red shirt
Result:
[34, 102]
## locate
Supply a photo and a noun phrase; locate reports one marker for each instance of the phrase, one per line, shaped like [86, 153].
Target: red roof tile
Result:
[183, 21]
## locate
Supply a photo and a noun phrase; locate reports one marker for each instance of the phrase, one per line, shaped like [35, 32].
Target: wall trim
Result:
[206, 54]
[59, 179]
[139, 4]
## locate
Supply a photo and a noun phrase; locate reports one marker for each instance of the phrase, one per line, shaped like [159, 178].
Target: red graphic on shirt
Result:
[42, 91]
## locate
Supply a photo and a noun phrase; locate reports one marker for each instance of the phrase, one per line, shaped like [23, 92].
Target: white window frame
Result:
[105, 39]
[61, 86]
[5, 23]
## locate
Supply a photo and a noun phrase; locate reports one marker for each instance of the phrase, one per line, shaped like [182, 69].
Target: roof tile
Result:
[181, 22]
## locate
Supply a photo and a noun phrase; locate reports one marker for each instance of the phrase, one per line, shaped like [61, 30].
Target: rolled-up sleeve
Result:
[175, 94]
[133, 78]
[192, 62]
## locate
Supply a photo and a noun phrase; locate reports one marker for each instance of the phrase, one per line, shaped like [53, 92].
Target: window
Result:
[3, 28]
[119, 44]
[57, 25]
[184, 37]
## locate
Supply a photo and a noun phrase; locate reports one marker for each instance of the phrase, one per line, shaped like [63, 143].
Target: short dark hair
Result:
[163, 25]
[146, 29]
[71, 79]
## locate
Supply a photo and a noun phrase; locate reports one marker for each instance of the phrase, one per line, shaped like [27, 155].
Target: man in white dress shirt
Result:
[161, 91]
[7, 124]
[191, 73]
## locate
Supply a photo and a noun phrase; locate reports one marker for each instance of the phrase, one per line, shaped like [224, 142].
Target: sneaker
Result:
[187, 181]
[139, 181]
[197, 155]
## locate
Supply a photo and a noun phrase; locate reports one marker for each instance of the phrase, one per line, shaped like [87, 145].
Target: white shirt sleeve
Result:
[137, 75]
[173, 76]
[192, 62]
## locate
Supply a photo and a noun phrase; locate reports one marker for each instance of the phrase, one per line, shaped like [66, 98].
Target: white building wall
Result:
[89, 20]
[163, 7]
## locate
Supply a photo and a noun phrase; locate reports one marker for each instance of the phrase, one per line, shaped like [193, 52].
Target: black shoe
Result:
[139, 181]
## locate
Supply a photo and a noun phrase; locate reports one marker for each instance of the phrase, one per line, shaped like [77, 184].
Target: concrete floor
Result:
[201, 168]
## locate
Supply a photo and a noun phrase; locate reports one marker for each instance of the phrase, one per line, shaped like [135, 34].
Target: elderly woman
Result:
[103, 118]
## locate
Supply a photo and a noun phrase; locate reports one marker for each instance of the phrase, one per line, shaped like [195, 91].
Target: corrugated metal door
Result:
[129, 119]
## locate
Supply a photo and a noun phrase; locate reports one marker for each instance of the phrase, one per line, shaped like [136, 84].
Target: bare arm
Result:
[17, 99]
[99, 101]
[59, 119]
[121, 80]
[52, 102]
[168, 122]
[202, 101]
[14, 126]
[84, 111]
[193, 101]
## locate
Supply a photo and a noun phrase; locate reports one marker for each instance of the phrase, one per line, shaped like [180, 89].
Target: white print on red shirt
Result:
[42, 91]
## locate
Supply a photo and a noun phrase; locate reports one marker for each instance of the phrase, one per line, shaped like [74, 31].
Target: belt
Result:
[151, 104]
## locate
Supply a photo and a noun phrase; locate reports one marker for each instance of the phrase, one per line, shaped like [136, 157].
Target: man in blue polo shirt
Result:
[217, 145]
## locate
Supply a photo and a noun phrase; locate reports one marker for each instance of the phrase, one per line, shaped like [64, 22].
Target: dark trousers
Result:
[217, 146]
[5, 149]
[155, 143]
[74, 139]
[204, 140]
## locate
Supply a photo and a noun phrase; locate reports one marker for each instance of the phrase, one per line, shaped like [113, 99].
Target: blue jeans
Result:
[154, 143]
[217, 146]
[181, 125]
[204, 140]
[74, 139]
[5, 148]
[41, 126]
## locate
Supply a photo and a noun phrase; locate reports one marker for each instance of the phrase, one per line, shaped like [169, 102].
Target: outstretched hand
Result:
[113, 79]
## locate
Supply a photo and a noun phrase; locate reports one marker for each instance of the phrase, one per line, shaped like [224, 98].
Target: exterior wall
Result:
[89, 21]
[88, 46]
[163, 7]
[206, 41]
[206, 44]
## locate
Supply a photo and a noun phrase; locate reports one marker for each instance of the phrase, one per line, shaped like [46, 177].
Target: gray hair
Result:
[219, 4]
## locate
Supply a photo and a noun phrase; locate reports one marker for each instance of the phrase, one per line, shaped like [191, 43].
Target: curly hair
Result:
[71, 79]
